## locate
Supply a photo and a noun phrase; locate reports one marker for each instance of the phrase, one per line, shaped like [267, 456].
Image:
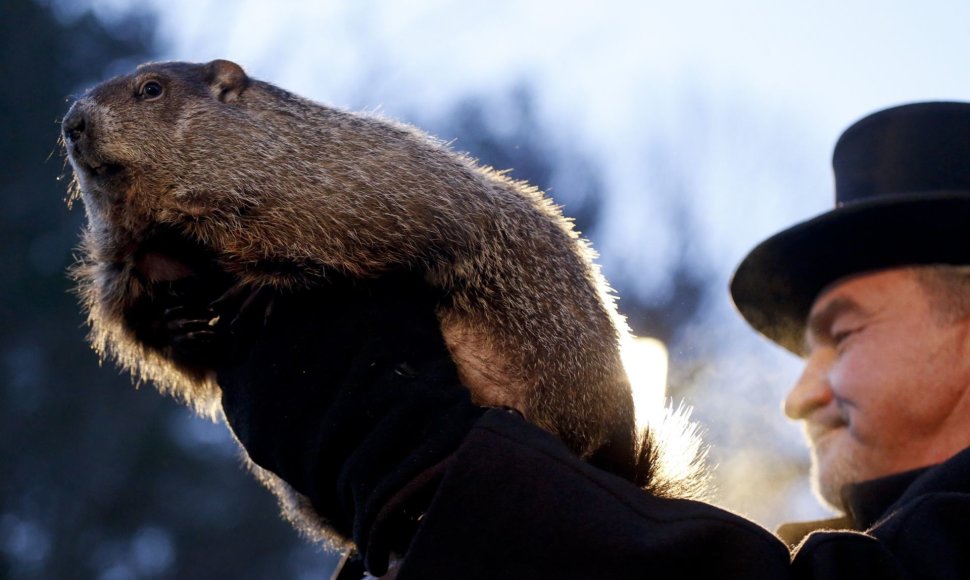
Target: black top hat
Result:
[902, 197]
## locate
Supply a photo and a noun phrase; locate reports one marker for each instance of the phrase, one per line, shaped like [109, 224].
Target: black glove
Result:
[348, 393]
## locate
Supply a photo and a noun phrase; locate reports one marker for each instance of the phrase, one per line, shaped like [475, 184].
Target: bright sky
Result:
[743, 100]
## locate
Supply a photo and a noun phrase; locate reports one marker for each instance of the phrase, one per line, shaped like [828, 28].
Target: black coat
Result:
[914, 525]
[516, 503]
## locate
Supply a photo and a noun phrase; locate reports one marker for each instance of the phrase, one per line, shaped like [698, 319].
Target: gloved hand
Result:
[348, 393]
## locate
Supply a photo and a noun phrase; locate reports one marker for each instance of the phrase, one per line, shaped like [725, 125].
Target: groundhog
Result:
[198, 179]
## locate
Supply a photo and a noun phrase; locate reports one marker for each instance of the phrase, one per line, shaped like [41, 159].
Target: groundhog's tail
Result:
[670, 458]
[619, 455]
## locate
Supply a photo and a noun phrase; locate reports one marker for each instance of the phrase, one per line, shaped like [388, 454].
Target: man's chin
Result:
[831, 470]
[826, 492]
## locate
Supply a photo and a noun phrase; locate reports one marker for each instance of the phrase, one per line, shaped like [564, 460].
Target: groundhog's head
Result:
[142, 144]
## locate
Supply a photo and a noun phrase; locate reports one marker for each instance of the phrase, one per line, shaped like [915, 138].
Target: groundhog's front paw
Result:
[194, 336]
[244, 309]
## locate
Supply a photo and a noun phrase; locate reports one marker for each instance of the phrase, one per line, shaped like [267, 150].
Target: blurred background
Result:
[678, 135]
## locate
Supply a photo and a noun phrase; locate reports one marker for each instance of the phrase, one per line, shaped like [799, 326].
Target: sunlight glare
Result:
[645, 360]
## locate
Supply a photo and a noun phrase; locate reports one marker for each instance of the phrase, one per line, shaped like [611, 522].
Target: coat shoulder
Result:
[516, 503]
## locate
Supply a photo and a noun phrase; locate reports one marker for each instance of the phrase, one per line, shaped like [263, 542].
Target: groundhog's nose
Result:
[74, 124]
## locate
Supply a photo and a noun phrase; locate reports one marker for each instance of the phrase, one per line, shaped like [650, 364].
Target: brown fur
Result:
[282, 190]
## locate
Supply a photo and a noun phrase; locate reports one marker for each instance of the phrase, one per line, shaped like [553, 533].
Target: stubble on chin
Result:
[834, 466]
[833, 453]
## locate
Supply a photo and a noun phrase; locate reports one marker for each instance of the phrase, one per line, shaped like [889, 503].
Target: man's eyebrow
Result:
[820, 322]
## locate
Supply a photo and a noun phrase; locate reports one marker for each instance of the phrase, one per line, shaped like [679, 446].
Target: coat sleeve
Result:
[515, 503]
[844, 555]
[926, 537]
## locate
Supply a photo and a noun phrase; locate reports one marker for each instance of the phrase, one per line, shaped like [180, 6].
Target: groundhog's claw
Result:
[193, 336]
[243, 307]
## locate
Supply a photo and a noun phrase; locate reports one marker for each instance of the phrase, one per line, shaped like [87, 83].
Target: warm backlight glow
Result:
[645, 360]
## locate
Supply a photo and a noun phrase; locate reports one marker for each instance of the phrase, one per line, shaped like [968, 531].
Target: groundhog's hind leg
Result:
[481, 368]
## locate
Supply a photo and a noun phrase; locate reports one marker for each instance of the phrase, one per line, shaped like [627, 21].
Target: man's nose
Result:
[812, 389]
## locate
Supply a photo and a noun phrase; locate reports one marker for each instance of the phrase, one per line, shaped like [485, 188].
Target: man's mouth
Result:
[817, 433]
[821, 427]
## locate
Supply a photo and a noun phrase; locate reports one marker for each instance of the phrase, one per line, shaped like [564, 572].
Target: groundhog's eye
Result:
[151, 90]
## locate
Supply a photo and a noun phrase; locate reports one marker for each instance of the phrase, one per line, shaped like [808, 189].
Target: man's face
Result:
[886, 385]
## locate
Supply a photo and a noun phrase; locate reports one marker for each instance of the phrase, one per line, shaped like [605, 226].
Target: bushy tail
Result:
[665, 458]
[671, 457]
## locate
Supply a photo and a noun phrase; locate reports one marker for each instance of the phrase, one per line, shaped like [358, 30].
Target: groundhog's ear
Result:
[227, 80]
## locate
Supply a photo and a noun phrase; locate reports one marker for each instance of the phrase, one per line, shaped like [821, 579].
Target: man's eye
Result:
[839, 337]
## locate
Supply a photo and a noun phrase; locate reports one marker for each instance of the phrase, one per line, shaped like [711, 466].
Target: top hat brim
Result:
[775, 286]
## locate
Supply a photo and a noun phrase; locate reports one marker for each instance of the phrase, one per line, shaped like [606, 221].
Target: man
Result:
[383, 442]
[875, 297]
